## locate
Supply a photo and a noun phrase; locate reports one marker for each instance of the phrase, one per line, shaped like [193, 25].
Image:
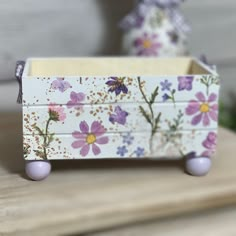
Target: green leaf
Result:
[39, 130]
[154, 95]
[157, 120]
[50, 138]
[145, 114]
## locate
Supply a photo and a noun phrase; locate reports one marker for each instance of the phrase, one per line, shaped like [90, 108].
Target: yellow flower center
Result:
[204, 108]
[91, 138]
[147, 43]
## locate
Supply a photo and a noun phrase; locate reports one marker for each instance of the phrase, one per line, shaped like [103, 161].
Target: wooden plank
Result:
[215, 222]
[82, 196]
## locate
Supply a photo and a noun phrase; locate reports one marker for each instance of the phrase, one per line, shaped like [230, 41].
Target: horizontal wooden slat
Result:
[121, 117]
[119, 145]
[95, 90]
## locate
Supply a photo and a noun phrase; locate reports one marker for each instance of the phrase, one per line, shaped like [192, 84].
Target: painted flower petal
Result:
[80, 97]
[201, 97]
[192, 108]
[206, 120]
[78, 135]
[196, 119]
[102, 140]
[84, 127]
[212, 97]
[214, 115]
[70, 104]
[73, 97]
[214, 107]
[97, 128]
[78, 144]
[96, 150]
[85, 150]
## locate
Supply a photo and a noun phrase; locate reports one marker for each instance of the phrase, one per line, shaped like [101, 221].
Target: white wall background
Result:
[88, 27]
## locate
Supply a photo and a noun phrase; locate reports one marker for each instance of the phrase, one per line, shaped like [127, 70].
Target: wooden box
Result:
[85, 108]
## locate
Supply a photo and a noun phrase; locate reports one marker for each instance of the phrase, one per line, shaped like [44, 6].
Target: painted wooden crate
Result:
[85, 108]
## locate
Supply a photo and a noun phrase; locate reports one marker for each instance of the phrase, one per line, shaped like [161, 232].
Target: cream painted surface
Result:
[112, 66]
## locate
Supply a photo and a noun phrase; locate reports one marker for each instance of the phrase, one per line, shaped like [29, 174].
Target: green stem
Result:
[146, 100]
[45, 139]
[152, 114]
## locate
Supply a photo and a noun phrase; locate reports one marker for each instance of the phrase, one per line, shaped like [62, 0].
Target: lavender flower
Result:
[119, 116]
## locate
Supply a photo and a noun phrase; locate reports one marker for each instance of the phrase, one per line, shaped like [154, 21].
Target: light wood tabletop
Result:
[84, 197]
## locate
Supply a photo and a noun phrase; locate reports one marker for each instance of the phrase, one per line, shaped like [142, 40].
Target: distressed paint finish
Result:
[120, 117]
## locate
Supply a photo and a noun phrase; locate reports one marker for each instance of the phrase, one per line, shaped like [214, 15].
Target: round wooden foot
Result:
[37, 170]
[198, 166]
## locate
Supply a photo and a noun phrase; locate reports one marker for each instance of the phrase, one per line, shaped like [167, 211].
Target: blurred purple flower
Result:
[147, 45]
[210, 144]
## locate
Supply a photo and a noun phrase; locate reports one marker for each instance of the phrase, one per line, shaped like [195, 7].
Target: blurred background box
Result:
[31, 28]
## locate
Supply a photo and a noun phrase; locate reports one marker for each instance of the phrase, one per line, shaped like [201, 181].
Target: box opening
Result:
[123, 66]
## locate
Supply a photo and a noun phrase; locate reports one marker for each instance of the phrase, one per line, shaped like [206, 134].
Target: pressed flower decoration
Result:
[203, 109]
[89, 138]
[76, 100]
[56, 113]
[60, 84]
[116, 84]
[119, 116]
[185, 83]
[147, 45]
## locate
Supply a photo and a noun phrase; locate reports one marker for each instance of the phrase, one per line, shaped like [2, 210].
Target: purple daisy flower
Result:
[165, 85]
[89, 138]
[185, 83]
[147, 45]
[119, 116]
[203, 109]
[117, 85]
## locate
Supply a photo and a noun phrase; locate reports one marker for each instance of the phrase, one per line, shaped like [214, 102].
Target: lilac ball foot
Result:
[37, 170]
[198, 166]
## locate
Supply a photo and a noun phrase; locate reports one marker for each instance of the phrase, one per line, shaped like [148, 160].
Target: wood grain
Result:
[220, 222]
[86, 196]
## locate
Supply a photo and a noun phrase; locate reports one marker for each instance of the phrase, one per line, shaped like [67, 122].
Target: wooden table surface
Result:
[114, 196]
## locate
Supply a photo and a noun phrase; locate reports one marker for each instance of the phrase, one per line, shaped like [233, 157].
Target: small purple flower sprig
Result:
[170, 95]
[127, 141]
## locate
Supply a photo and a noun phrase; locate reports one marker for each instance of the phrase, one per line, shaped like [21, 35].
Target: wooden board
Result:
[220, 222]
[86, 196]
